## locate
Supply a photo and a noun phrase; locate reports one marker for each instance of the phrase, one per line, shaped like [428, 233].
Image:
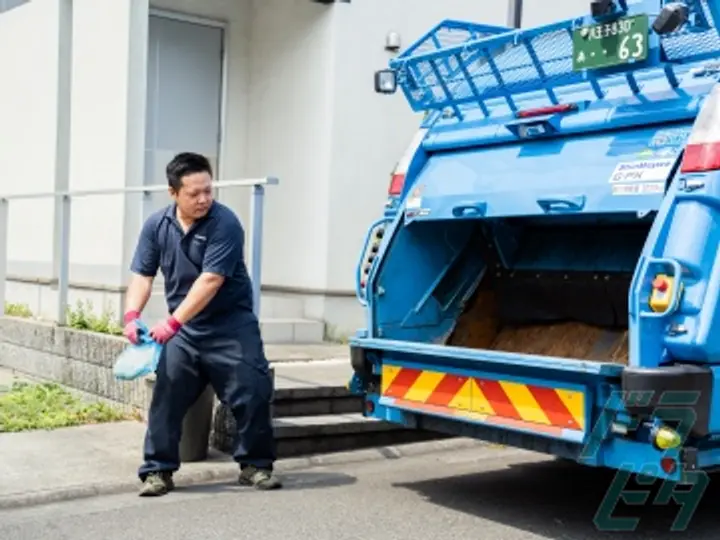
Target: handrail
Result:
[250, 182]
[65, 197]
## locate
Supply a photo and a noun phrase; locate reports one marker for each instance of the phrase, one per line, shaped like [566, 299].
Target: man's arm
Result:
[144, 267]
[223, 252]
[138, 293]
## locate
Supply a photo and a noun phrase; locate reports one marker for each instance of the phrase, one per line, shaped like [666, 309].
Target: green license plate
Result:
[611, 43]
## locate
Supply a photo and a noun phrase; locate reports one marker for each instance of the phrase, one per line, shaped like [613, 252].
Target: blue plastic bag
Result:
[138, 360]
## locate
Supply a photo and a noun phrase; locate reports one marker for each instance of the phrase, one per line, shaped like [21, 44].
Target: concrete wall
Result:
[291, 72]
[105, 143]
[79, 360]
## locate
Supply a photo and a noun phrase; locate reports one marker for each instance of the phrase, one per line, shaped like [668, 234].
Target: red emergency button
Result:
[660, 284]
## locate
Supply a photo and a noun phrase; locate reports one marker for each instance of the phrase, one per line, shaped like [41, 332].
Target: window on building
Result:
[7, 5]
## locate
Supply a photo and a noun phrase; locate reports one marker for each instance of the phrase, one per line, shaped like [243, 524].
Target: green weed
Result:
[48, 406]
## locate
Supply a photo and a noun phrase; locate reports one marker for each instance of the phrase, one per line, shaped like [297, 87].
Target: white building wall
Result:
[28, 116]
[291, 75]
[539, 12]
[105, 142]
[107, 134]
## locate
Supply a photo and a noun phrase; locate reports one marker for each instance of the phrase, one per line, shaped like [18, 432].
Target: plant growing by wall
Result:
[26, 407]
[82, 317]
[18, 310]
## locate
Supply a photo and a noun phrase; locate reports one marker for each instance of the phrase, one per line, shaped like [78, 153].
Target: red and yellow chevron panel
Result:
[526, 406]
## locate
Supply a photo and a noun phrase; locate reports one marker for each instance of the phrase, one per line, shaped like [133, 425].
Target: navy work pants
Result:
[239, 374]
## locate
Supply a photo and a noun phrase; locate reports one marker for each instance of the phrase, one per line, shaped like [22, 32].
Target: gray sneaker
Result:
[259, 478]
[157, 484]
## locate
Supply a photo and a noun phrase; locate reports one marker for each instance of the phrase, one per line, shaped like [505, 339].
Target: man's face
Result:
[195, 196]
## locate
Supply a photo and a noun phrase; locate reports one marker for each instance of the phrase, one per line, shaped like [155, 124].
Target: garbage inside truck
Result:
[548, 247]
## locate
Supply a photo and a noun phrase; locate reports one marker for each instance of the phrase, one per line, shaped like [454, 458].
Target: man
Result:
[211, 336]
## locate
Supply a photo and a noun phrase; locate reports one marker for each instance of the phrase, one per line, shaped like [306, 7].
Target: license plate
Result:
[611, 43]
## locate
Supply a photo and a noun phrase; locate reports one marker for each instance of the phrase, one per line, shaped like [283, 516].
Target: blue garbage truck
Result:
[545, 273]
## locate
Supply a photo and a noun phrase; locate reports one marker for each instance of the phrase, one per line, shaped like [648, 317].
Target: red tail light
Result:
[701, 157]
[668, 465]
[702, 152]
[542, 111]
[397, 182]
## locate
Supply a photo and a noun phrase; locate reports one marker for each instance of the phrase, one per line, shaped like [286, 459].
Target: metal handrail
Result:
[63, 265]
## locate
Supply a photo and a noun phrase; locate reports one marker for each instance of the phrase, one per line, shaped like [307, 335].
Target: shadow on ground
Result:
[300, 481]
[557, 499]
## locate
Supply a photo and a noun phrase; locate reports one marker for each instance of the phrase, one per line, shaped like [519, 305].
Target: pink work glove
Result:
[163, 331]
[130, 331]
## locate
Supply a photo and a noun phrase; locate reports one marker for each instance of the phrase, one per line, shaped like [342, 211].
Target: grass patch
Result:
[82, 317]
[47, 406]
[18, 310]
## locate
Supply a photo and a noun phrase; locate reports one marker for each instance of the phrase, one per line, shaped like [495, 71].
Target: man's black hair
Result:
[184, 164]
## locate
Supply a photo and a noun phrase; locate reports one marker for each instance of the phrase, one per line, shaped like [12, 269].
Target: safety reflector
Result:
[531, 407]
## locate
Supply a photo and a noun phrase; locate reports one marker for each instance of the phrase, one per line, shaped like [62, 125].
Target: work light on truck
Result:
[600, 8]
[672, 17]
[385, 81]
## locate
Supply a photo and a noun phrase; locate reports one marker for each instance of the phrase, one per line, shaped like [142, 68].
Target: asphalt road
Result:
[495, 494]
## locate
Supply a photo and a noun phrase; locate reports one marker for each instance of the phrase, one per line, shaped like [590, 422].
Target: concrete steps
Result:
[293, 330]
[283, 320]
[315, 413]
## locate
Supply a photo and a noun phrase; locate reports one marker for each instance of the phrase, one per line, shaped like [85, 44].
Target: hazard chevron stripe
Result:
[492, 401]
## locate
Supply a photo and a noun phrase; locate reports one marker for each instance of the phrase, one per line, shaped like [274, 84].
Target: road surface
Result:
[493, 494]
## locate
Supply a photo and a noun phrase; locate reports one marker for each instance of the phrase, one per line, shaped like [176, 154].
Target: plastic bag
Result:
[138, 360]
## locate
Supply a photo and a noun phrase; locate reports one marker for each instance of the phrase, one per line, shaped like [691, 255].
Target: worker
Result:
[211, 335]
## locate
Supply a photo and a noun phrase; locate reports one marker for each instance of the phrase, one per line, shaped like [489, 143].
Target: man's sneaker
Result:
[259, 478]
[157, 484]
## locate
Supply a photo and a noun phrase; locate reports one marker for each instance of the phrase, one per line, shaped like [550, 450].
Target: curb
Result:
[225, 470]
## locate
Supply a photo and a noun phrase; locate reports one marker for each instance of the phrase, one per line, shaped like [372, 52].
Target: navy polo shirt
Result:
[212, 244]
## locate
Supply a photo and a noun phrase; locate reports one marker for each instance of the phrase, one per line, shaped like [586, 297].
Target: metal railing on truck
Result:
[66, 197]
[473, 68]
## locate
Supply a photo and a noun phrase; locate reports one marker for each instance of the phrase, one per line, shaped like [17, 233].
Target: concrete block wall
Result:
[76, 359]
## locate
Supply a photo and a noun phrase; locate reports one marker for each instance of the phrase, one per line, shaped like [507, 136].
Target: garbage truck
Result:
[545, 273]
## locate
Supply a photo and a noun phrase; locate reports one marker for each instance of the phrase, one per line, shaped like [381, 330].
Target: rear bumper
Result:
[516, 397]
[401, 383]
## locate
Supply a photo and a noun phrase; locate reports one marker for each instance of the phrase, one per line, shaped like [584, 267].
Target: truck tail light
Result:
[542, 111]
[702, 152]
[397, 181]
[668, 464]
